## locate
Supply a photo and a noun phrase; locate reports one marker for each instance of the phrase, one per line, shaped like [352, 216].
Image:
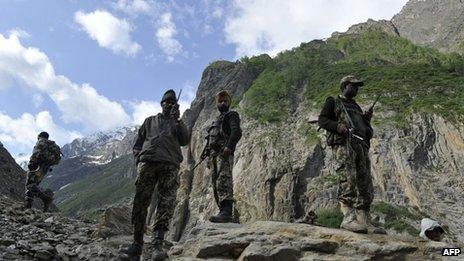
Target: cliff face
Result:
[12, 176]
[282, 168]
[433, 23]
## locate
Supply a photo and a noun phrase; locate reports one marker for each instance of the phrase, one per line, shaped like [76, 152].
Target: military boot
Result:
[364, 218]
[159, 253]
[349, 220]
[225, 213]
[132, 253]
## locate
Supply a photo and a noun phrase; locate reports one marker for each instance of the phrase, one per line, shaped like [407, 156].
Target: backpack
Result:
[330, 136]
[216, 135]
[52, 153]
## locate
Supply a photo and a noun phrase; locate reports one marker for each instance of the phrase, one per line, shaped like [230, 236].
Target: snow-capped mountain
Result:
[89, 155]
[102, 147]
[22, 159]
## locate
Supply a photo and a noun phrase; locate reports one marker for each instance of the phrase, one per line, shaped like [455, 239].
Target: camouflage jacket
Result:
[40, 153]
[332, 114]
[159, 139]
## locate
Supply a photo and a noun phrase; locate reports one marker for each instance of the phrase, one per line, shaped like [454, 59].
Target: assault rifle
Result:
[204, 154]
[371, 109]
[176, 106]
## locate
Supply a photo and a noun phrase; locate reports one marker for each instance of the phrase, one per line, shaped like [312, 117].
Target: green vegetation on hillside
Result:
[85, 197]
[410, 78]
[329, 218]
[397, 218]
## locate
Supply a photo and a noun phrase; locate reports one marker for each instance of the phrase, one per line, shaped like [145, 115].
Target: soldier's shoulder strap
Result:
[338, 106]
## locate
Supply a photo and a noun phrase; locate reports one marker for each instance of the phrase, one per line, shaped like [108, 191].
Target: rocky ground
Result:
[33, 235]
[267, 240]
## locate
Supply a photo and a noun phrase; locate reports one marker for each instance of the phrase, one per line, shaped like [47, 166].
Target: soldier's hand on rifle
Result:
[368, 114]
[135, 152]
[227, 151]
[342, 129]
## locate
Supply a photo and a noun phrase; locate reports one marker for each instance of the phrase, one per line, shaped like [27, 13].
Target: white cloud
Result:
[109, 31]
[20, 134]
[270, 26]
[165, 37]
[77, 103]
[144, 109]
[37, 99]
[20, 33]
[134, 7]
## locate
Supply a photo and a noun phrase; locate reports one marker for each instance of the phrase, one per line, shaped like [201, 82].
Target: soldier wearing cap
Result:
[349, 133]
[224, 135]
[158, 156]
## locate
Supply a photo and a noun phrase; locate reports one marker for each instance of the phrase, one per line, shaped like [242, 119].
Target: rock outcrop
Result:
[434, 23]
[279, 176]
[267, 240]
[12, 176]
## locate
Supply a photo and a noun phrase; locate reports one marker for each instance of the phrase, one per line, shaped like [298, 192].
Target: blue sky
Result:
[76, 67]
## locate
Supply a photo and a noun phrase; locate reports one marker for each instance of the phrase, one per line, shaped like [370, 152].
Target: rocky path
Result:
[33, 235]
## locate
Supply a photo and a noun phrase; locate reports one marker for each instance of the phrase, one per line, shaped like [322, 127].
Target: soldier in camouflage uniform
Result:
[158, 154]
[349, 136]
[45, 154]
[224, 135]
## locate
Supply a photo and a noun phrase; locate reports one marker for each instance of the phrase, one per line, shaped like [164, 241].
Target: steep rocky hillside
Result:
[282, 166]
[434, 23]
[12, 176]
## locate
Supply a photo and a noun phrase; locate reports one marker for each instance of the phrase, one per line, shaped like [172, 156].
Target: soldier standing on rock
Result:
[349, 136]
[224, 135]
[158, 154]
[45, 154]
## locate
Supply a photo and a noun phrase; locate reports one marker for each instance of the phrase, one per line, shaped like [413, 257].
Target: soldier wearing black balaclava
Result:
[158, 156]
[224, 135]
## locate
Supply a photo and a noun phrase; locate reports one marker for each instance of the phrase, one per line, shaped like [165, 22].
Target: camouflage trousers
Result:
[221, 177]
[32, 184]
[150, 174]
[353, 168]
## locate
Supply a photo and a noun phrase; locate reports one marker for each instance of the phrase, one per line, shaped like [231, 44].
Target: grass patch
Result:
[330, 218]
[396, 217]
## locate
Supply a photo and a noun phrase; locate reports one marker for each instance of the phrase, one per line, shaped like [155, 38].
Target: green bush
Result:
[410, 78]
[330, 218]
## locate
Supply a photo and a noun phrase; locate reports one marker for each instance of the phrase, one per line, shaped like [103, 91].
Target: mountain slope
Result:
[89, 196]
[434, 23]
[12, 176]
[417, 145]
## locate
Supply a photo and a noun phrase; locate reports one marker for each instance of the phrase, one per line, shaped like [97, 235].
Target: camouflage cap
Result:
[351, 79]
[169, 95]
[223, 94]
